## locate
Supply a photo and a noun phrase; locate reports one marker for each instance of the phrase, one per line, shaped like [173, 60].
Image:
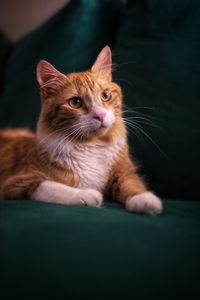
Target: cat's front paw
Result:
[91, 197]
[145, 203]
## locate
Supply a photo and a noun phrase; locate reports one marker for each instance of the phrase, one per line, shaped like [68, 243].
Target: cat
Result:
[79, 152]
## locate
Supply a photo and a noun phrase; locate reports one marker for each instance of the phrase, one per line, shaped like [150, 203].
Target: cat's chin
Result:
[96, 133]
[99, 131]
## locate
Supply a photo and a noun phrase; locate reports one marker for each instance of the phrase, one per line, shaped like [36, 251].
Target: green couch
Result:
[57, 252]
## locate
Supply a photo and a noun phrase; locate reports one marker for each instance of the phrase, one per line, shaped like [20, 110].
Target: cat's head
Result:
[81, 106]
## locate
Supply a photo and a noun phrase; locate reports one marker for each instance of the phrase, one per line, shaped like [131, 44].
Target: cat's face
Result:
[81, 105]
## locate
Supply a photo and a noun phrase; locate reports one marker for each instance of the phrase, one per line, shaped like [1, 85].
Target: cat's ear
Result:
[103, 63]
[49, 79]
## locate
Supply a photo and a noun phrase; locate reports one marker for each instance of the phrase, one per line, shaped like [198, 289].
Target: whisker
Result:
[142, 120]
[135, 126]
[133, 111]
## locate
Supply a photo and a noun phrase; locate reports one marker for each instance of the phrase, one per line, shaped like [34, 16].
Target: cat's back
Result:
[15, 136]
[14, 145]
[14, 133]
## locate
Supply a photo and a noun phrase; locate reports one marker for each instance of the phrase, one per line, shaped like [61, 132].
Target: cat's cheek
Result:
[145, 203]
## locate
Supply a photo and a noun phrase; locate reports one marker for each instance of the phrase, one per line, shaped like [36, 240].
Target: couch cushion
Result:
[70, 40]
[57, 252]
[157, 56]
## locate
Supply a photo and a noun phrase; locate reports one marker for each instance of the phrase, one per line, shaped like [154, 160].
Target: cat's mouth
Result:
[101, 125]
[96, 128]
[105, 123]
[90, 128]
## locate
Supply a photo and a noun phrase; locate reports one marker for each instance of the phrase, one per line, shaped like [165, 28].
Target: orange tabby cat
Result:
[80, 150]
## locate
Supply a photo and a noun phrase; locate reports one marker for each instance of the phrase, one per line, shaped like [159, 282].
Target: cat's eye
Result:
[105, 95]
[75, 102]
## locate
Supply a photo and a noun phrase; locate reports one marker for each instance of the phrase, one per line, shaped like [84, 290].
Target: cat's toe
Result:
[145, 203]
[92, 197]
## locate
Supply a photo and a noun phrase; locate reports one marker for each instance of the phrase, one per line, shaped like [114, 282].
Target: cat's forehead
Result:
[85, 81]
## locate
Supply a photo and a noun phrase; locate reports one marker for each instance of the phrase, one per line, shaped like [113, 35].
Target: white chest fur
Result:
[90, 163]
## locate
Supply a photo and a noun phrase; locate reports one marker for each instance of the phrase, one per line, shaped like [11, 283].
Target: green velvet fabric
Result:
[57, 252]
[70, 40]
[157, 56]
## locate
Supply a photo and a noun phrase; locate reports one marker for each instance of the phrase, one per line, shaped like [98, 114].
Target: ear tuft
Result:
[48, 77]
[103, 64]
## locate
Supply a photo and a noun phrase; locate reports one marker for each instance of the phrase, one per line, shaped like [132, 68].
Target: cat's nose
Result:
[100, 115]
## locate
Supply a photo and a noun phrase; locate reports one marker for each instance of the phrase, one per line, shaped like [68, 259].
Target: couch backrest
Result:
[157, 57]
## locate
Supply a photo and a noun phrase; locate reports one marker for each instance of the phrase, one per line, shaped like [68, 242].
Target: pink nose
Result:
[100, 115]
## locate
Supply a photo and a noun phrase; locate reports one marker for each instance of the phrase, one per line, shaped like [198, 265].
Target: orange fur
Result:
[24, 161]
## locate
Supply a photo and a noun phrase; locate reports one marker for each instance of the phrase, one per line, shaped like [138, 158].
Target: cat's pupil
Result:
[75, 102]
[105, 95]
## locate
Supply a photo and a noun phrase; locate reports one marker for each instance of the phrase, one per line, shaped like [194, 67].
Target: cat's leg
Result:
[130, 189]
[55, 192]
[21, 186]
[35, 186]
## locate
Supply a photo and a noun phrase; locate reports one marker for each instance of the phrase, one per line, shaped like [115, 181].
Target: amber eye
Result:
[76, 102]
[105, 95]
